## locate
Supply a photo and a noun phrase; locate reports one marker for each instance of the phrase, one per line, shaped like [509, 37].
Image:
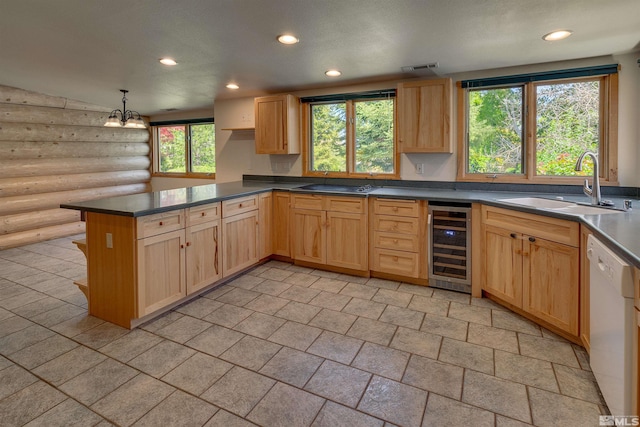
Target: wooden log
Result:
[72, 104]
[55, 183]
[36, 167]
[13, 95]
[40, 234]
[37, 219]
[35, 202]
[51, 116]
[45, 132]
[13, 150]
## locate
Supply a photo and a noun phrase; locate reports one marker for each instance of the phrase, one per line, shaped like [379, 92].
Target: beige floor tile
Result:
[364, 308]
[260, 325]
[250, 352]
[381, 360]
[470, 313]
[353, 279]
[68, 365]
[44, 351]
[402, 317]
[547, 408]
[38, 307]
[497, 395]
[197, 373]
[443, 411]
[161, 321]
[445, 326]
[339, 383]
[324, 273]
[272, 287]
[298, 312]
[452, 296]
[583, 357]
[514, 322]
[67, 413]
[238, 391]
[359, 291]
[330, 300]
[199, 308]
[14, 379]
[525, 370]
[467, 355]
[223, 418]
[395, 402]
[429, 305]
[333, 415]
[183, 329]
[292, 366]
[417, 342]
[5, 363]
[101, 335]
[246, 281]
[502, 421]
[372, 330]
[237, 296]
[300, 278]
[178, 409]
[434, 376]
[335, 347]
[383, 283]
[29, 403]
[546, 349]
[218, 291]
[276, 274]
[300, 294]
[286, 406]
[130, 345]
[489, 336]
[579, 384]
[97, 382]
[162, 358]
[215, 340]
[333, 321]
[487, 303]
[387, 296]
[267, 304]
[132, 400]
[329, 285]
[416, 289]
[23, 338]
[59, 315]
[295, 335]
[13, 324]
[228, 315]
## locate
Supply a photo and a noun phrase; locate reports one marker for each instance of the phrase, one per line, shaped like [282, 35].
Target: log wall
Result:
[56, 150]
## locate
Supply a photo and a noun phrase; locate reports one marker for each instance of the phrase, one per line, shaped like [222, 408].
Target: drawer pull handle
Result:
[188, 243]
[181, 246]
[513, 235]
[161, 223]
[240, 205]
[204, 214]
[532, 239]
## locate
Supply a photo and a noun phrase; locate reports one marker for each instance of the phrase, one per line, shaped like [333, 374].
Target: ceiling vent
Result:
[425, 67]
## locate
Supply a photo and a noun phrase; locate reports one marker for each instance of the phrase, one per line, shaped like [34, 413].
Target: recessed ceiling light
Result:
[333, 73]
[168, 61]
[557, 35]
[233, 86]
[288, 39]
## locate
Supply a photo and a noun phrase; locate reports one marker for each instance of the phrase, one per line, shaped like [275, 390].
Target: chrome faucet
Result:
[594, 193]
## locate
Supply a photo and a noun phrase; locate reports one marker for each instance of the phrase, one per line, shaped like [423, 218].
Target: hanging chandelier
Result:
[125, 118]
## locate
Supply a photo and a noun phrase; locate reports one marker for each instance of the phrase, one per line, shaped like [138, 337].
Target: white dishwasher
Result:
[611, 325]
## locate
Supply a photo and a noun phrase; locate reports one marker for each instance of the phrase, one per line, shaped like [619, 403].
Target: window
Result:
[534, 127]
[184, 149]
[351, 135]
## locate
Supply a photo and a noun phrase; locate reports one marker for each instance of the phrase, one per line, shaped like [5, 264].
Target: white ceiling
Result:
[89, 49]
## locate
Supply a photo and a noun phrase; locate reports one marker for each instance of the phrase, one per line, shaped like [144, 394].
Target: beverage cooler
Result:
[450, 246]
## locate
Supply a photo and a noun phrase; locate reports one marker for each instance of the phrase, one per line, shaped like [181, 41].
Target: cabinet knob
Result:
[181, 246]
[395, 259]
[532, 239]
[395, 241]
[513, 235]
[188, 243]
[204, 214]
[161, 223]
[240, 205]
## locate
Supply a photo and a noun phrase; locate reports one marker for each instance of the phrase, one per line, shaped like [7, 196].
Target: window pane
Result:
[328, 137]
[567, 124]
[495, 130]
[203, 148]
[374, 136]
[171, 142]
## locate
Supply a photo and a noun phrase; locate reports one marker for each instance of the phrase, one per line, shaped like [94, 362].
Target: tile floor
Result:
[279, 346]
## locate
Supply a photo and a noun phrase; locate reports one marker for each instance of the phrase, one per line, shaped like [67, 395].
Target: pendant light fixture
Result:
[125, 118]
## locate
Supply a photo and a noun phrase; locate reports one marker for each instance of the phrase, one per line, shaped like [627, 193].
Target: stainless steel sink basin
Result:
[327, 188]
[562, 206]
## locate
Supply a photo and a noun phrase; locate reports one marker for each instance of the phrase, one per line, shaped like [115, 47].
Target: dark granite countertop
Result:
[620, 231]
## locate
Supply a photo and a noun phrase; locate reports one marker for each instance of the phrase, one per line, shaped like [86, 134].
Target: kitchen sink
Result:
[571, 208]
[327, 188]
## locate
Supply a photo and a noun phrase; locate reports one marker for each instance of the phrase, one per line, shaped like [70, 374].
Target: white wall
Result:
[629, 120]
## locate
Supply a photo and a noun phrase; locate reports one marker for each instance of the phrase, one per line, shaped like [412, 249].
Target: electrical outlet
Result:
[419, 168]
[109, 241]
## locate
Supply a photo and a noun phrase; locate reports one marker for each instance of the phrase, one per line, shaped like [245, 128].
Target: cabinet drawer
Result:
[552, 229]
[345, 204]
[396, 262]
[306, 201]
[396, 207]
[152, 225]
[239, 205]
[400, 242]
[396, 224]
[202, 214]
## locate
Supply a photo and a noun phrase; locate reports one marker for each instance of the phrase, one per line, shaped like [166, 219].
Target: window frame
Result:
[155, 149]
[607, 150]
[350, 142]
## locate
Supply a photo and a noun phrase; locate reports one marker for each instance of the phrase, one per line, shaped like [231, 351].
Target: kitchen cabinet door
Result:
[280, 227]
[424, 116]
[277, 124]
[239, 242]
[550, 285]
[584, 290]
[202, 255]
[161, 275]
[265, 223]
[503, 264]
[309, 235]
[347, 240]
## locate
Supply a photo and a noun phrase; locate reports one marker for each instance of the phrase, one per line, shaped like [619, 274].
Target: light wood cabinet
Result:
[239, 238]
[277, 124]
[398, 238]
[330, 230]
[202, 255]
[280, 225]
[424, 113]
[532, 263]
[265, 223]
[584, 289]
